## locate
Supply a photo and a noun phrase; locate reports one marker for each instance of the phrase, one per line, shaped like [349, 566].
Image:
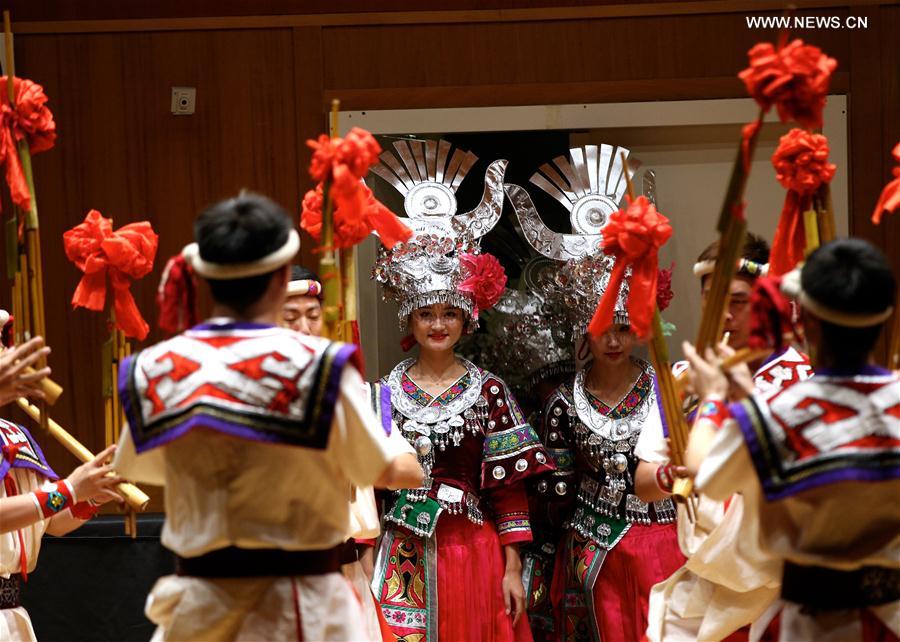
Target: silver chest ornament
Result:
[428, 426]
[608, 445]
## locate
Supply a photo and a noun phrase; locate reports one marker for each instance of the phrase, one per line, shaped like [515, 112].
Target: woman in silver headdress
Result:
[613, 547]
[448, 566]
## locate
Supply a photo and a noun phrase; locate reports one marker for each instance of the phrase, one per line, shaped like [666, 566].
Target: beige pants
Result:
[311, 607]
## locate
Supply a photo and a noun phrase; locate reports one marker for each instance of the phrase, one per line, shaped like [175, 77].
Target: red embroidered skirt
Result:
[470, 567]
[620, 595]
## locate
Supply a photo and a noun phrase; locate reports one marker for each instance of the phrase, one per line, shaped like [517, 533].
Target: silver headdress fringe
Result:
[426, 269]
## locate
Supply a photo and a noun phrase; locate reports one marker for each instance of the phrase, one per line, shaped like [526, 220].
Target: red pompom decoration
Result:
[357, 213]
[633, 236]
[28, 120]
[484, 278]
[889, 201]
[795, 78]
[802, 167]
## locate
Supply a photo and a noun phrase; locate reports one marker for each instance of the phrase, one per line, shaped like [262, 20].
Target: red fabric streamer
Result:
[177, 296]
[795, 78]
[28, 120]
[123, 255]
[408, 342]
[357, 213]
[772, 323]
[483, 278]
[802, 167]
[633, 236]
[889, 201]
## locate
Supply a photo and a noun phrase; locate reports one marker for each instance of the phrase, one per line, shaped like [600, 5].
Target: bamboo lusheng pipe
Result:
[134, 496]
[744, 355]
[31, 280]
[732, 232]
[670, 400]
[328, 267]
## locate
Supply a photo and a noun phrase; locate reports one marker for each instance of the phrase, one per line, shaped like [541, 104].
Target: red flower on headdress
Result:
[802, 167]
[484, 278]
[664, 293]
[633, 236]
[795, 78]
[123, 255]
[357, 213]
[28, 120]
[889, 201]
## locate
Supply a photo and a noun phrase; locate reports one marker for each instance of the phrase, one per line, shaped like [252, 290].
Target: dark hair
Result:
[755, 249]
[300, 273]
[850, 275]
[240, 230]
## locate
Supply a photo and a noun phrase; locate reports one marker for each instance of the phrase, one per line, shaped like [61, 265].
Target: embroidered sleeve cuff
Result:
[513, 455]
[513, 528]
[715, 411]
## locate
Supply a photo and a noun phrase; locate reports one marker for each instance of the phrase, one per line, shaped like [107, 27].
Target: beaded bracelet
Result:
[715, 411]
[664, 478]
[53, 497]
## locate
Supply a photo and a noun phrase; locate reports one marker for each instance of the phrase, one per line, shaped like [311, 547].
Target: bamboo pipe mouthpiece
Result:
[50, 388]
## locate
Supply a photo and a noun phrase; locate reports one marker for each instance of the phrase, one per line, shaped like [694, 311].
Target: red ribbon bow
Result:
[357, 213]
[633, 236]
[124, 255]
[889, 201]
[29, 120]
[802, 167]
[793, 77]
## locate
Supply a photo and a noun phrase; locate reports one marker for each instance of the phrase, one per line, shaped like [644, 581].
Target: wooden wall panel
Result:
[622, 49]
[264, 89]
[121, 151]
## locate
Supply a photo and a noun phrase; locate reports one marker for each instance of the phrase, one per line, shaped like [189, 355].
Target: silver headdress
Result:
[591, 185]
[426, 269]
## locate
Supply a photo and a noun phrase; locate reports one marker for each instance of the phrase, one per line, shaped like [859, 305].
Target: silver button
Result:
[499, 472]
[500, 402]
[554, 436]
[504, 419]
[542, 486]
[521, 465]
[554, 421]
[494, 390]
[540, 457]
[557, 411]
[491, 424]
[561, 488]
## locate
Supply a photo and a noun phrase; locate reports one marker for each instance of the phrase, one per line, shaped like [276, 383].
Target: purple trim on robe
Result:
[865, 371]
[659, 407]
[771, 475]
[384, 394]
[232, 325]
[320, 414]
[46, 471]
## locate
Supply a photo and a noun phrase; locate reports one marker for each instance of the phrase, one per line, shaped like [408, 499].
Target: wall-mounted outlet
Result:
[184, 100]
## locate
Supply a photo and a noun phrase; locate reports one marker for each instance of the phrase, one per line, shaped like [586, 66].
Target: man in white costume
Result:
[258, 434]
[818, 463]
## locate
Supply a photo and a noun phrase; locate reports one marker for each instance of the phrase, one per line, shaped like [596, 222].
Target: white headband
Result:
[228, 271]
[745, 266]
[791, 286]
[304, 287]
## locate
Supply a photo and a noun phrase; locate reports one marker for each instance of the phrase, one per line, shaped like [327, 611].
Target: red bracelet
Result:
[85, 510]
[53, 498]
[664, 478]
[715, 411]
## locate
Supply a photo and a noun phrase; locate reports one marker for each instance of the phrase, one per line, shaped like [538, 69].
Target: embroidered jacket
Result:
[478, 457]
[593, 447]
[246, 380]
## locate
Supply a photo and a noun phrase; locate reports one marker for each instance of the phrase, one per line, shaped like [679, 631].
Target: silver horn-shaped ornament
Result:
[590, 184]
[428, 173]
